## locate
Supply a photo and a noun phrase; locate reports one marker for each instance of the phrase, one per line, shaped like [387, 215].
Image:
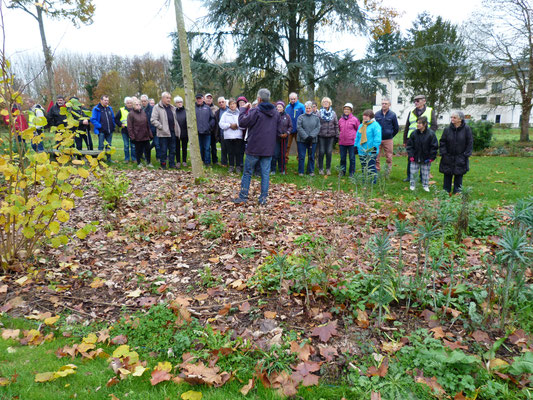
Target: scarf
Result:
[363, 131]
[326, 115]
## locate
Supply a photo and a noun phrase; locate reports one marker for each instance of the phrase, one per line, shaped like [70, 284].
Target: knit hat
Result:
[279, 102]
[349, 105]
[243, 99]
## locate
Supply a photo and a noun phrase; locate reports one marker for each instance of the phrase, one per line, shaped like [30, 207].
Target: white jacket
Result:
[228, 118]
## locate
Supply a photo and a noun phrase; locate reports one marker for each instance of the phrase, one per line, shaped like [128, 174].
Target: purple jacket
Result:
[286, 123]
[348, 130]
[264, 125]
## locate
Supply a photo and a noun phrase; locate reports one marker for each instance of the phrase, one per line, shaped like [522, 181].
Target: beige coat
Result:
[160, 120]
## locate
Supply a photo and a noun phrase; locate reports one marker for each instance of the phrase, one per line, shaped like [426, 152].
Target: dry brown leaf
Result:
[438, 333]
[324, 332]
[303, 351]
[362, 319]
[270, 314]
[246, 388]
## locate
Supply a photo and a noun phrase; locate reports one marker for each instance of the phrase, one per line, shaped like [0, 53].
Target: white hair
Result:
[293, 95]
[221, 98]
[165, 94]
[144, 97]
[308, 104]
[178, 99]
[126, 99]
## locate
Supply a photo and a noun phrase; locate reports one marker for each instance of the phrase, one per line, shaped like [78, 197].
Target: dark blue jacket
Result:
[294, 112]
[389, 124]
[103, 119]
[264, 126]
[205, 121]
[148, 110]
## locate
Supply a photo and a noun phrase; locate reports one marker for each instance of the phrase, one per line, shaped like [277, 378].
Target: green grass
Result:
[497, 180]
[91, 375]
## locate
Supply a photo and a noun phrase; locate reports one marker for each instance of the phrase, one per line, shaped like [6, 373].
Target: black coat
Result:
[181, 116]
[455, 148]
[422, 146]
[55, 118]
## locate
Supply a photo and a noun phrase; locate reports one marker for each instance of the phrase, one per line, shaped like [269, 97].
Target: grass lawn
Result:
[497, 180]
[89, 381]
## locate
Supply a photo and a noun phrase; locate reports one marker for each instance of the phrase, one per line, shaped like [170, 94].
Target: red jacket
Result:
[20, 122]
[348, 130]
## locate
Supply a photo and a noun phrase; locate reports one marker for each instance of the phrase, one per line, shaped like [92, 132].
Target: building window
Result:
[498, 119]
[495, 101]
[484, 117]
[497, 87]
[470, 88]
[481, 100]
[469, 101]
[400, 85]
[400, 100]
[480, 85]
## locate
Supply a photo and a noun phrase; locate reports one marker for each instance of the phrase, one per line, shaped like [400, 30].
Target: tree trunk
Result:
[293, 69]
[196, 160]
[310, 76]
[524, 122]
[48, 59]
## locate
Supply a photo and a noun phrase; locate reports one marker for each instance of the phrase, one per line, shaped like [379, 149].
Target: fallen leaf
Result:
[52, 320]
[97, 283]
[375, 396]
[224, 310]
[4, 381]
[135, 293]
[481, 337]
[362, 319]
[246, 388]
[192, 395]
[245, 307]
[44, 377]
[161, 373]
[497, 363]
[438, 333]
[270, 314]
[303, 351]
[381, 371]
[112, 382]
[120, 339]
[202, 297]
[3, 289]
[10, 334]
[328, 352]
[391, 347]
[324, 332]
[431, 382]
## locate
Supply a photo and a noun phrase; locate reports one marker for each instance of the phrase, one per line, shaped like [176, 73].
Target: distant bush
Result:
[482, 133]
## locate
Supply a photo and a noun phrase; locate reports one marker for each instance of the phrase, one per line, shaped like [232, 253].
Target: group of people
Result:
[266, 132]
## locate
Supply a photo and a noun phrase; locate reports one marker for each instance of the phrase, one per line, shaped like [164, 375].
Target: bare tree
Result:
[502, 36]
[78, 11]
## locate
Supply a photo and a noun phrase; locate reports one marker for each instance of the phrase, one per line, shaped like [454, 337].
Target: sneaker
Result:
[321, 172]
[150, 166]
[178, 165]
[272, 172]
[230, 170]
[406, 180]
[312, 174]
[426, 188]
[300, 174]
[283, 173]
[239, 200]
[412, 186]
[328, 172]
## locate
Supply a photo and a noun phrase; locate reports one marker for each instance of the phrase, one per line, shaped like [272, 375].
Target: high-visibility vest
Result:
[124, 116]
[31, 117]
[413, 118]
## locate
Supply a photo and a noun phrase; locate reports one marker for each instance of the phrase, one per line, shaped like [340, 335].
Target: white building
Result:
[480, 100]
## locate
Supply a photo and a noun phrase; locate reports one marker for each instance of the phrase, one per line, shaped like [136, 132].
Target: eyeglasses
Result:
[418, 100]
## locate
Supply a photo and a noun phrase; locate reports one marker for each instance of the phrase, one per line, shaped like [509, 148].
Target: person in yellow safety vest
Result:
[36, 111]
[121, 119]
[410, 125]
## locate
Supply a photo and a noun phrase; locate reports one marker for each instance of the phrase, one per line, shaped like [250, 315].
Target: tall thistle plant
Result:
[384, 293]
[515, 255]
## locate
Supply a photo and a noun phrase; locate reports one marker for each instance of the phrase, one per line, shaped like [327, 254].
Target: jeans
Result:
[205, 148]
[39, 148]
[310, 148]
[181, 144]
[129, 147]
[168, 151]
[368, 165]
[108, 138]
[351, 154]
[214, 151]
[325, 147]
[155, 143]
[279, 155]
[235, 154]
[142, 148]
[249, 166]
[457, 183]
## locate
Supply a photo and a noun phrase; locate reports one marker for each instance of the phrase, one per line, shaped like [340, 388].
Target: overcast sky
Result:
[136, 27]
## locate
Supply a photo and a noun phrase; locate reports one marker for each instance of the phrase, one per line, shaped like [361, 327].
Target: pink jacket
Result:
[348, 130]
